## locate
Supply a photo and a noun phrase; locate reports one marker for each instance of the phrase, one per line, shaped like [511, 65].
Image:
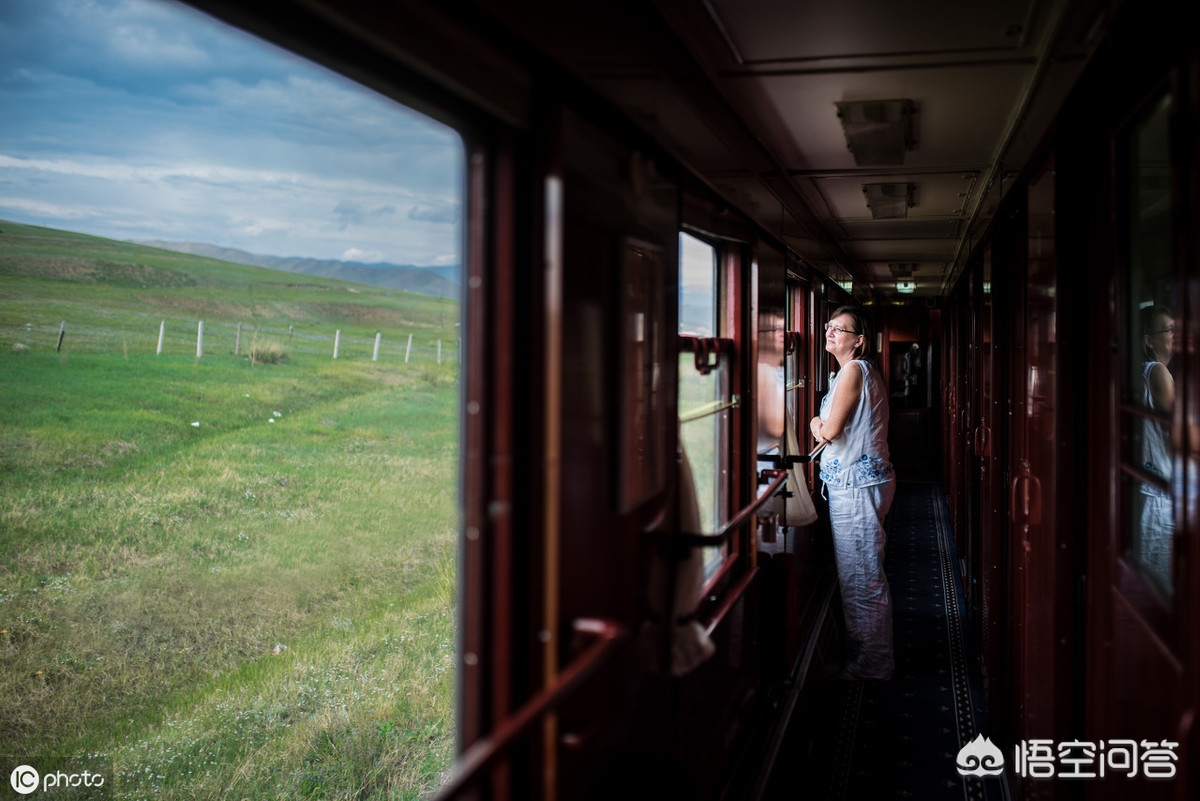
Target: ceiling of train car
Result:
[874, 137]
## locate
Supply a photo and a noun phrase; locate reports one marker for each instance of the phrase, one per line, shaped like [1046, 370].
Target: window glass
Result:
[772, 337]
[795, 363]
[1152, 349]
[229, 284]
[704, 398]
[697, 287]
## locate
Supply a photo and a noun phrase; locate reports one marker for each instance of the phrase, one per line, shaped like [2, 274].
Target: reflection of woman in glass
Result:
[770, 380]
[912, 375]
[860, 485]
[1157, 524]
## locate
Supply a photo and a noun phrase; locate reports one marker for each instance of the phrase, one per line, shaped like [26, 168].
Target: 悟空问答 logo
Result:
[980, 758]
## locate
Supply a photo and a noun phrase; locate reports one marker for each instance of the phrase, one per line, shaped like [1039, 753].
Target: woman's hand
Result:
[814, 425]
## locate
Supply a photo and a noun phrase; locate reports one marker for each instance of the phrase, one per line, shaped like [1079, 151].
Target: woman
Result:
[1154, 537]
[860, 485]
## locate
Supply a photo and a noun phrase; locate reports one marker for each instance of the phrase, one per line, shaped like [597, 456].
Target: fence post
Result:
[337, 340]
[62, 331]
[439, 351]
[408, 350]
[375, 355]
[162, 330]
[290, 332]
[237, 343]
[200, 339]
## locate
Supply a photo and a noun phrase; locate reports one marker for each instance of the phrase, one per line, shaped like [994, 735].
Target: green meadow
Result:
[235, 578]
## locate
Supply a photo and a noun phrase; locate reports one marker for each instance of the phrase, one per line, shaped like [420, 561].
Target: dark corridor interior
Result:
[899, 738]
[914, 443]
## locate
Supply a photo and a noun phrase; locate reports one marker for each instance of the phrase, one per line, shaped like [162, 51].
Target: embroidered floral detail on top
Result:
[831, 471]
[873, 470]
[867, 470]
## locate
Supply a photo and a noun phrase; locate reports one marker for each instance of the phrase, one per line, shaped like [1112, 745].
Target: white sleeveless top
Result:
[860, 456]
[1156, 447]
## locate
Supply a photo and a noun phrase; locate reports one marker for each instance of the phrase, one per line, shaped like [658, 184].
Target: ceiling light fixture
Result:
[878, 132]
[906, 287]
[889, 201]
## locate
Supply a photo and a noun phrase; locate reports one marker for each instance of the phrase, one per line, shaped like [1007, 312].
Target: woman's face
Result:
[1162, 339]
[841, 337]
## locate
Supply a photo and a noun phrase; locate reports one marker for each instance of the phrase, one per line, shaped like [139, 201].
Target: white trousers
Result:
[1153, 539]
[856, 516]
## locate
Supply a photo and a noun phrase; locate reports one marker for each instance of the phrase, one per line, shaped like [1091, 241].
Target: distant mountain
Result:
[696, 311]
[440, 282]
[451, 272]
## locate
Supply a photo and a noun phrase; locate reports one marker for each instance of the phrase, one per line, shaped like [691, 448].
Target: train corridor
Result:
[899, 738]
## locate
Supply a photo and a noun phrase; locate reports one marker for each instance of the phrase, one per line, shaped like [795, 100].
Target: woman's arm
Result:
[770, 404]
[1162, 388]
[845, 397]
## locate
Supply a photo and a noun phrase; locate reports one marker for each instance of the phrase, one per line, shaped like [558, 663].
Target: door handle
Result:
[1030, 511]
[983, 440]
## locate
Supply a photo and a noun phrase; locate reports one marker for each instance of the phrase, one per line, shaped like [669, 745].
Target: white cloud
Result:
[144, 44]
[696, 267]
[193, 132]
[363, 256]
[349, 212]
[40, 208]
[438, 213]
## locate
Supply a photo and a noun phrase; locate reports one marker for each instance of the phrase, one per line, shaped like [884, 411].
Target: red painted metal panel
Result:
[1050, 593]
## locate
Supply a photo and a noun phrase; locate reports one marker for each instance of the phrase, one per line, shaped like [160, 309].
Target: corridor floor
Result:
[899, 738]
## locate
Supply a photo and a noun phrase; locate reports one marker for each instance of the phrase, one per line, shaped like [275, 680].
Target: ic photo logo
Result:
[24, 779]
[82, 777]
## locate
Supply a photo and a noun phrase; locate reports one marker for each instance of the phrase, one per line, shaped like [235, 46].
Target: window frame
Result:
[1159, 608]
[716, 353]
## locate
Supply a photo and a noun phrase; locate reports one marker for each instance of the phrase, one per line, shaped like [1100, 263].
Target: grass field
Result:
[257, 606]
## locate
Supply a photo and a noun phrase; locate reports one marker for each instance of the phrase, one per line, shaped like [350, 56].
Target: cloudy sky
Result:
[144, 119]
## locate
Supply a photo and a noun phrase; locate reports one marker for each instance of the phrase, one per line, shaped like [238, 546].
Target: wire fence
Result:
[205, 338]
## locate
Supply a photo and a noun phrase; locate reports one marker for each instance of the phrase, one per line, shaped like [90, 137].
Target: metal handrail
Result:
[708, 410]
[734, 595]
[779, 477]
[484, 752]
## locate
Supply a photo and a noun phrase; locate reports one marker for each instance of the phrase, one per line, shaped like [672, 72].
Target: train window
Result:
[825, 364]
[1154, 341]
[772, 336]
[798, 358]
[697, 287]
[795, 364]
[705, 401]
[230, 430]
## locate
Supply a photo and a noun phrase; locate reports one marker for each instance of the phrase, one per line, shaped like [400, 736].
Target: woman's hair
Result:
[863, 325]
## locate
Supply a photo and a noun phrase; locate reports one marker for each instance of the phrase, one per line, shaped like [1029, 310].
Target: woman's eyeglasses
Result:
[832, 327]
